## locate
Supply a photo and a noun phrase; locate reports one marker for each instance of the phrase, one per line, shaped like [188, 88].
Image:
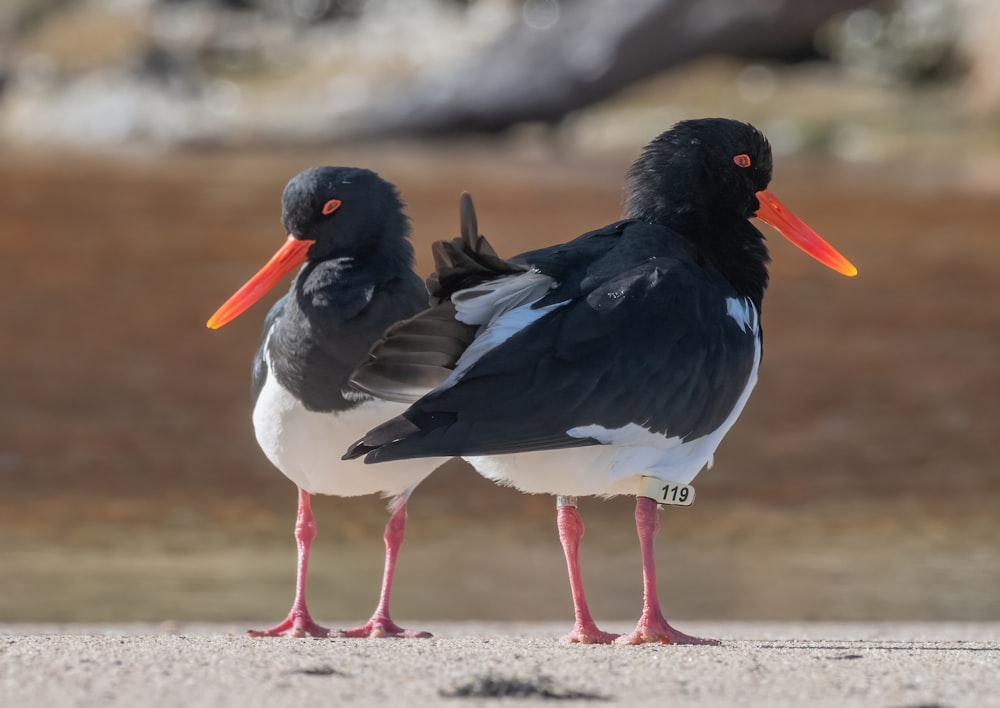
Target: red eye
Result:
[742, 160]
[331, 206]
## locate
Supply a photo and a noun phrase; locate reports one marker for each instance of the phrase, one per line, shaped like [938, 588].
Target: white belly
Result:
[614, 467]
[603, 470]
[306, 446]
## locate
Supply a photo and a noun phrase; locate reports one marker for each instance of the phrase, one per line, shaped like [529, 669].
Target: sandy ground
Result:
[905, 664]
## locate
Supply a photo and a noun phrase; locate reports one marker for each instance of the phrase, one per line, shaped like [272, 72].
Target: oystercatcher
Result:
[347, 226]
[612, 364]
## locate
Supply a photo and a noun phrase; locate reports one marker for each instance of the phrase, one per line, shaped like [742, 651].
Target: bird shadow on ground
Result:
[499, 687]
[324, 670]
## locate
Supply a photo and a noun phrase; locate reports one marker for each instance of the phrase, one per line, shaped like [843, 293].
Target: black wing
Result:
[651, 344]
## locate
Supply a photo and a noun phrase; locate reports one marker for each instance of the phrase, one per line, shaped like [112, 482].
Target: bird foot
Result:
[657, 631]
[379, 627]
[588, 634]
[297, 625]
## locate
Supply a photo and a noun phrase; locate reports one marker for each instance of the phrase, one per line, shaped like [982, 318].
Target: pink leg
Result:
[381, 624]
[652, 626]
[584, 630]
[298, 620]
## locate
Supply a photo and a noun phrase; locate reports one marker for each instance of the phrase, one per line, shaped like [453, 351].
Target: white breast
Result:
[614, 467]
[306, 446]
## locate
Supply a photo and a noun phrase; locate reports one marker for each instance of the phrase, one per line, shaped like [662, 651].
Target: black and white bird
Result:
[348, 231]
[612, 364]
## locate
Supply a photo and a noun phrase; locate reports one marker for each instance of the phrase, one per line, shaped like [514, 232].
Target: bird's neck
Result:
[738, 251]
[725, 240]
[333, 291]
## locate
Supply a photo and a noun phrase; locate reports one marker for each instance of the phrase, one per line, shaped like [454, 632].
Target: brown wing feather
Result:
[416, 355]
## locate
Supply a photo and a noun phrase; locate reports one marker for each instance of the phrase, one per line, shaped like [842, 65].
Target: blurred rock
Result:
[563, 56]
[980, 48]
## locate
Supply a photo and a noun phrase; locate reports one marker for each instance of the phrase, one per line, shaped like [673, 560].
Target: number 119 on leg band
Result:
[667, 493]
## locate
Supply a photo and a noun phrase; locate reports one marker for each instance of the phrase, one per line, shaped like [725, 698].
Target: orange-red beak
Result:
[775, 213]
[292, 254]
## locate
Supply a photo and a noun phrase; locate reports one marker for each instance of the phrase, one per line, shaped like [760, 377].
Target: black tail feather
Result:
[465, 261]
[390, 431]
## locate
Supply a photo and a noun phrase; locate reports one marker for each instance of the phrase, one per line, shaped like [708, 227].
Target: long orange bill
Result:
[776, 214]
[292, 254]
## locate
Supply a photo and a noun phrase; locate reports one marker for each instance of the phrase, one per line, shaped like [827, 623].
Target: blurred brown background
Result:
[143, 148]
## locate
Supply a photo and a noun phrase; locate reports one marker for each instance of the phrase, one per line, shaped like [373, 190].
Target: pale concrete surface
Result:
[774, 664]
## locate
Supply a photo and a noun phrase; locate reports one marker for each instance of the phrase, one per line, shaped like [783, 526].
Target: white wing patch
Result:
[355, 396]
[630, 434]
[503, 307]
[483, 304]
[745, 314]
